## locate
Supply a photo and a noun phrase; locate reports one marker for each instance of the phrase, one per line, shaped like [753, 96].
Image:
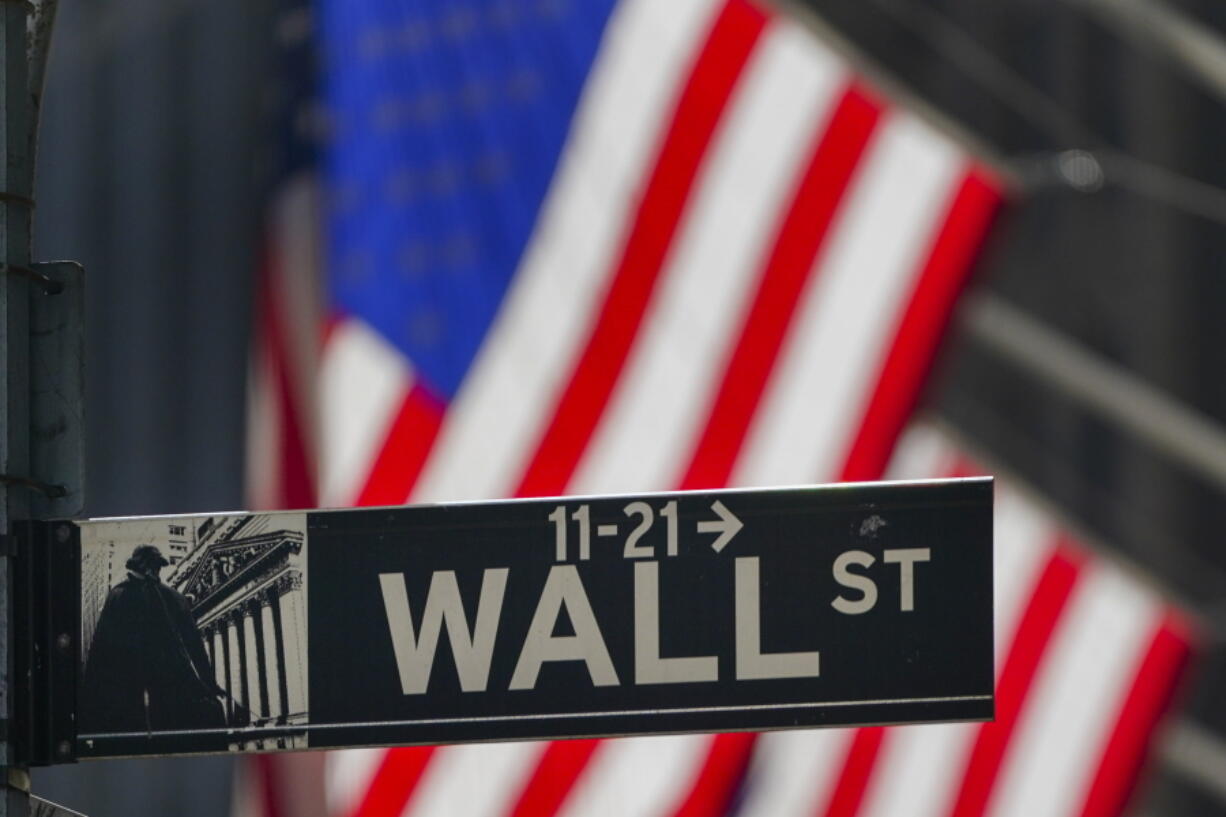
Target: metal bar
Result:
[44, 282]
[45, 808]
[1168, 426]
[1185, 41]
[39, 23]
[990, 71]
[1198, 755]
[16, 179]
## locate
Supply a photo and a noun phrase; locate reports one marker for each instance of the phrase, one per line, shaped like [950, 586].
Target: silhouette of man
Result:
[147, 669]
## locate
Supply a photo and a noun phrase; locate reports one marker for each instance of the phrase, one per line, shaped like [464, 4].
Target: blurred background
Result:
[1086, 362]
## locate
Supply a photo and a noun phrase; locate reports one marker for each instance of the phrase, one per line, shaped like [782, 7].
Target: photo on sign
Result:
[195, 626]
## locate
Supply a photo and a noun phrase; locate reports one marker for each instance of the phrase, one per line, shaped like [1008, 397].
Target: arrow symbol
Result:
[726, 526]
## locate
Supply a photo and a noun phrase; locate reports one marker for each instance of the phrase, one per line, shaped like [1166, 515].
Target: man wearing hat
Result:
[147, 669]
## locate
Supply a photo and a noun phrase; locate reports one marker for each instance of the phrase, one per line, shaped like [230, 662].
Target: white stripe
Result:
[497, 416]
[637, 777]
[1076, 697]
[362, 382]
[919, 768]
[784, 96]
[478, 780]
[349, 774]
[264, 465]
[794, 773]
[1025, 538]
[833, 353]
[922, 452]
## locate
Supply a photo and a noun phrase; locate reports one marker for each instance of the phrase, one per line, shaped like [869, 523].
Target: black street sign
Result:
[554, 618]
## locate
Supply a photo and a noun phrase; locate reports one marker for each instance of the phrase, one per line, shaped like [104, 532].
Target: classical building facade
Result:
[245, 581]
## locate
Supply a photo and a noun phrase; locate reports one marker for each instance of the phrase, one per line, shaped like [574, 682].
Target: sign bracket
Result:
[46, 602]
[57, 391]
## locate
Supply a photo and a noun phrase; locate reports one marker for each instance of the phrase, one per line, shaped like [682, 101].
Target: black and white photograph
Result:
[194, 626]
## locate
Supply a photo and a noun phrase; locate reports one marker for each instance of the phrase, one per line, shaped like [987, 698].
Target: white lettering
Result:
[866, 586]
[649, 667]
[563, 587]
[646, 517]
[415, 654]
[751, 662]
[906, 558]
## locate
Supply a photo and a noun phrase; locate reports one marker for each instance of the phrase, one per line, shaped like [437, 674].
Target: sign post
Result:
[16, 181]
[555, 618]
[40, 369]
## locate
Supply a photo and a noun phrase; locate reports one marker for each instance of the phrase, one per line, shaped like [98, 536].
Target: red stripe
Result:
[266, 773]
[560, 767]
[1147, 700]
[698, 111]
[910, 358]
[788, 270]
[296, 488]
[332, 322]
[405, 450]
[1043, 610]
[394, 782]
[857, 770]
[713, 792]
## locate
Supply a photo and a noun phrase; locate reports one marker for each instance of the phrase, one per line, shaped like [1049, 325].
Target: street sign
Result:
[554, 618]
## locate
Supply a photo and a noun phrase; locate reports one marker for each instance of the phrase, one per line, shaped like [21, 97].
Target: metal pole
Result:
[1157, 26]
[1189, 438]
[16, 183]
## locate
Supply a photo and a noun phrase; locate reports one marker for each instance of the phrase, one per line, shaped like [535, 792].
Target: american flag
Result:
[595, 247]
